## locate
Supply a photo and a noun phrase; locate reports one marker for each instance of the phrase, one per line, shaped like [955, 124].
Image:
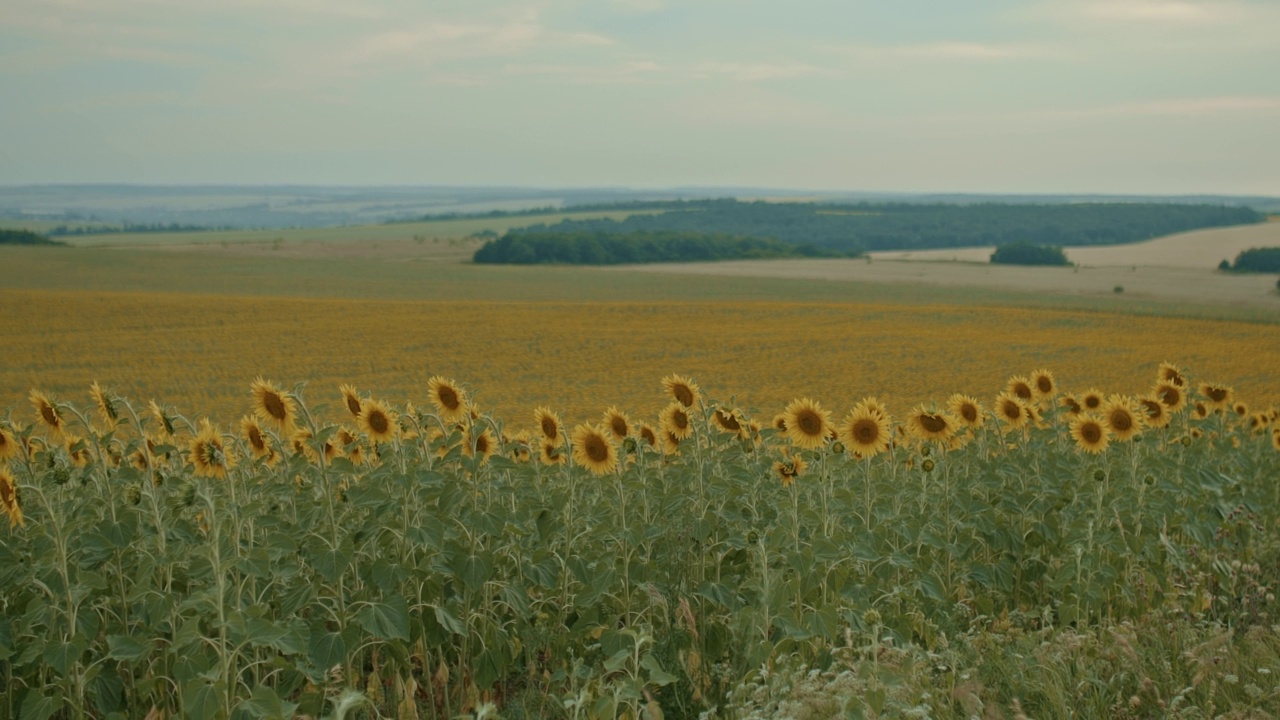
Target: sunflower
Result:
[1071, 404]
[449, 399]
[593, 449]
[1172, 396]
[780, 422]
[9, 498]
[76, 450]
[1091, 400]
[728, 420]
[1200, 411]
[164, 416]
[549, 425]
[482, 445]
[300, 441]
[1275, 438]
[647, 433]
[1089, 433]
[967, 410]
[48, 414]
[377, 421]
[1240, 409]
[273, 405]
[1011, 411]
[106, 403]
[520, 445]
[807, 423]
[208, 453]
[8, 444]
[684, 390]
[617, 422]
[351, 399]
[1021, 388]
[1219, 396]
[1155, 414]
[865, 432]
[790, 468]
[1044, 384]
[1122, 418]
[670, 443]
[550, 453]
[1170, 373]
[252, 433]
[1258, 423]
[926, 425]
[674, 418]
[874, 405]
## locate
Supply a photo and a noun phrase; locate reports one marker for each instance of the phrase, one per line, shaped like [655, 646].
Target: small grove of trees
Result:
[1263, 260]
[606, 248]
[1025, 253]
[24, 237]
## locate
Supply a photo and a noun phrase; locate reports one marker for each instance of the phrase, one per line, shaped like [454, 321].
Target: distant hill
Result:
[24, 237]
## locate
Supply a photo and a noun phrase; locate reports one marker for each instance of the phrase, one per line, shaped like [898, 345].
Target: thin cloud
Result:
[943, 51]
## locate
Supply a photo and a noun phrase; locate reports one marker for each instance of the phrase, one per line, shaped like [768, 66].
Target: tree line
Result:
[24, 237]
[594, 247]
[861, 227]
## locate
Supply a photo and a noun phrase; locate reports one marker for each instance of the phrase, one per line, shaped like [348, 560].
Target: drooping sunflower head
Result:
[106, 402]
[1170, 373]
[930, 425]
[1090, 433]
[808, 425]
[1172, 396]
[684, 390]
[1217, 396]
[675, 420]
[670, 443]
[76, 450]
[789, 468]
[548, 425]
[729, 420]
[48, 414]
[448, 398]
[8, 444]
[617, 422]
[1091, 400]
[481, 445]
[648, 435]
[1042, 381]
[1011, 411]
[865, 432]
[164, 417]
[1020, 387]
[1122, 419]
[9, 501]
[593, 449]
[272, 405]
[254, 437]
[378, 422]
[208, 453]
[967, 410]
[350, 399]
[1154, 412]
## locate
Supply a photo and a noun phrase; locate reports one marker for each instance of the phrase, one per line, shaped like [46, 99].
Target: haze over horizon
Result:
[1055, 96]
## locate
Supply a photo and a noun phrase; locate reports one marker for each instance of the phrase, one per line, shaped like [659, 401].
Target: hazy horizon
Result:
[1053, 97]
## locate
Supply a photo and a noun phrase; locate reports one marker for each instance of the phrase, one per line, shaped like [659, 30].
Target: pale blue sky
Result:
[1125, 96]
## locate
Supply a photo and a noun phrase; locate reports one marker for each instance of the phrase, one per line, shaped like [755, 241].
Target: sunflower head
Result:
[1200, 410]
[164, 417]
[808, 425]
[76, 450]
[1275, 438]
[9, 501]
[377, 421]
[1240, 409]
[594, 450]
[675, 420]
[350, 399]
[1091, 400]
[1217, 396]
[208, 453]
[789, 468]
[1020, 387]
[552, 453]
[1090, 433]
[648, 435]
[1122, 418]
[48, 414]
[966, 410]
[8, 444]
[482, 445]
[927, 424]
[865, 432]
[448, 398]
[1154, 413]
[617, 422]
[1042, 381]
[728, 420]
[1170, 373]
[1173, 397]
[548, 425]
[106, 402]
[1071, 404]
[1258, 422]
[254, 437]
[682, 389]
[1011, 411]
[272, 405]
[670, 443]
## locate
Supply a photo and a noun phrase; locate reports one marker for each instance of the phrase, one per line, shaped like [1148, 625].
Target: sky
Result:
[1038, 96]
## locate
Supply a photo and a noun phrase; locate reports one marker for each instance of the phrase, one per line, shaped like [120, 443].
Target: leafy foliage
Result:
[604, 248]
[1263, 260]
[438, 581]
[862, 227]
[1023, 253]
[24, 237]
